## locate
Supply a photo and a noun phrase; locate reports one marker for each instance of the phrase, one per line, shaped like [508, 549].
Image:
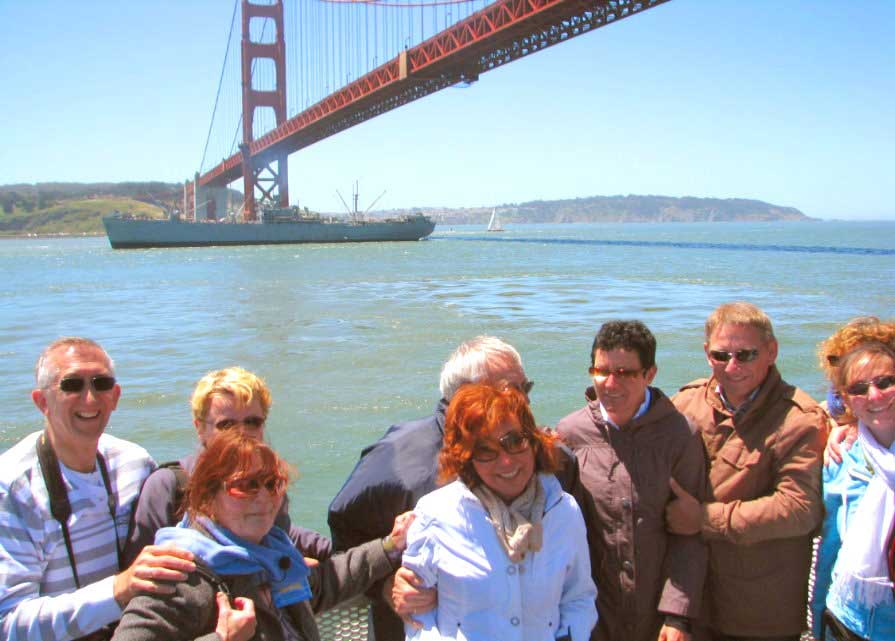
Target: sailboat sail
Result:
[494, 223]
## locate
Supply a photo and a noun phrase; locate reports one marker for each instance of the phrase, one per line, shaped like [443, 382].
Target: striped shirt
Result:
[38, 597]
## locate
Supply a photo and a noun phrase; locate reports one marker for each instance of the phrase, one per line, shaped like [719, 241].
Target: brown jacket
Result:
[640, 570]
[764, 504]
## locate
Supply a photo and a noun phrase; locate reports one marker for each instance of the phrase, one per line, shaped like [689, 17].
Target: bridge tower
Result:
[269, 173]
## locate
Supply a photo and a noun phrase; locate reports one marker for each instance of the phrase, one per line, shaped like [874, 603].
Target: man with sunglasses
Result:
[764, 440]
[232, 398]
[401, 467]
[630, 440]
[66, 496]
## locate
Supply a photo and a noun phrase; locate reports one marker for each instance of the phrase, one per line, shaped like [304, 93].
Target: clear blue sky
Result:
[791, 102]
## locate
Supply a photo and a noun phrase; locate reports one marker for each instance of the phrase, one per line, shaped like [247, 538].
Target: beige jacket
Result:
[765, 503]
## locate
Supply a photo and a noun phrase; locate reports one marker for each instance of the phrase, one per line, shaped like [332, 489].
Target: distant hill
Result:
[623, 209]
[77, 208]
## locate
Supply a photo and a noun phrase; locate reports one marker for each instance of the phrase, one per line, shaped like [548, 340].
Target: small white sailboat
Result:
[494, 223]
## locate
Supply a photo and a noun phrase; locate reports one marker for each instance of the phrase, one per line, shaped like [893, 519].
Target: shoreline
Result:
[58, 234]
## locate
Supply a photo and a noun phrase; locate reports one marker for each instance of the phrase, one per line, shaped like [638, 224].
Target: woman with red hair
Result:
[503, 545]
[250, 580]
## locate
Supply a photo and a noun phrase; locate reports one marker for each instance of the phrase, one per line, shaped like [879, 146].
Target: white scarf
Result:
[861, 572]
[518, 525]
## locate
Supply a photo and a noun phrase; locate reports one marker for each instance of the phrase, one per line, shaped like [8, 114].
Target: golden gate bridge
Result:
[350, 61]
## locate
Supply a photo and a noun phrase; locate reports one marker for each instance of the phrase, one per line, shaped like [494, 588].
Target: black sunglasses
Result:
[741, 355]
[860, 388]
[511, 443]
[251, 422]
[75, 384]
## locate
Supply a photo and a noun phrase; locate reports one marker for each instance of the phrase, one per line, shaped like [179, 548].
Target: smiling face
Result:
[621, 384]
[876, 408]
[737, 378]
[76, 420]
[508, 474]
[249, 517]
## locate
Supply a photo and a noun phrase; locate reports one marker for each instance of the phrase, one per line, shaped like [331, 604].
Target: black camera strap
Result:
[60, 506]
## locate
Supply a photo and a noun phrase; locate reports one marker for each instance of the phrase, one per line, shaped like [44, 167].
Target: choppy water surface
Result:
[351, 337]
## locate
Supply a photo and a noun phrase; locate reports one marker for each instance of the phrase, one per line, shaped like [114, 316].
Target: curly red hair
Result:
[476, 410]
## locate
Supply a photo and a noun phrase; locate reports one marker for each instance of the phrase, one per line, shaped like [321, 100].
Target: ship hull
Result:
[126, 233]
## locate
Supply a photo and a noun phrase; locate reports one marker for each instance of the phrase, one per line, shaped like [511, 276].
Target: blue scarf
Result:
[275, 558]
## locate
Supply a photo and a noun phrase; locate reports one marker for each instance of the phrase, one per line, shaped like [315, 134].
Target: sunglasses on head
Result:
[75, 384]
[245, 488]
[251, 422]
[621, 372]
[860, 388]
[525, 388]
[511, 443]
[741, 355]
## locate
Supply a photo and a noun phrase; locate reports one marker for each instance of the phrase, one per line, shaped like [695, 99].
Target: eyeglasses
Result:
[833, 360]
[526, 386]
[511, 443]
[621, 372]
[246, 488]
[860, 388]
[251, 422]
[741, 355]
[75, 384]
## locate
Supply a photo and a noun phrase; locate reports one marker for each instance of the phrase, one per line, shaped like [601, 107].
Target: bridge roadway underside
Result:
[500, 33]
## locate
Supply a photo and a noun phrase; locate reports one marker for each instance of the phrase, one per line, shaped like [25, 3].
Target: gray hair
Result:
[45, 371]
[477, 359]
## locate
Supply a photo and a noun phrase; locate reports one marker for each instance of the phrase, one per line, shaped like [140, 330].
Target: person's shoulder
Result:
[113, 447]
[571, 424]
[444, 497]
[19, 460]
[556, 497]
[691, 388]
[851, 471]
[22, 489]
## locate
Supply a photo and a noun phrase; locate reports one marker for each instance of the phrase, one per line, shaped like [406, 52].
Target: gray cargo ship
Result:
[277, 226]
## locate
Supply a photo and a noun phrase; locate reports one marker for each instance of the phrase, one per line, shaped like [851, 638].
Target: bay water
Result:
[351, 338]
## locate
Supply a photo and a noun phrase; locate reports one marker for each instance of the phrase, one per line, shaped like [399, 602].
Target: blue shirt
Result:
[844, 486]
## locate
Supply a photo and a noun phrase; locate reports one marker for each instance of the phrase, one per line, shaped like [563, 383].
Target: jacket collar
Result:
[768, 392]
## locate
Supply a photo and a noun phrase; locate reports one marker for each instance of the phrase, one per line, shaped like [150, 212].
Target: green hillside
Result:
[74, 216]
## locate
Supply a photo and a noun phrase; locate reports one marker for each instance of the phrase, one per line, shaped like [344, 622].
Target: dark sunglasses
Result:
[511, 443]
[832, 360]
[251, 422]
[741, 355]
[621, 372]
[860, 388]
[246, 488]
[526, 387]
[75, 384]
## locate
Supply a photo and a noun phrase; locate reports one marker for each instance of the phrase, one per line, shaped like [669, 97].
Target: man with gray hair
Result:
[66, 496]
[399, 468]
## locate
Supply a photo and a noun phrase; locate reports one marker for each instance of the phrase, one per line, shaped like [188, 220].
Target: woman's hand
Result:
[236, 622]
[398, 534]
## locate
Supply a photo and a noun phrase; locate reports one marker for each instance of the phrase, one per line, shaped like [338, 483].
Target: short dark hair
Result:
[631, 335]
